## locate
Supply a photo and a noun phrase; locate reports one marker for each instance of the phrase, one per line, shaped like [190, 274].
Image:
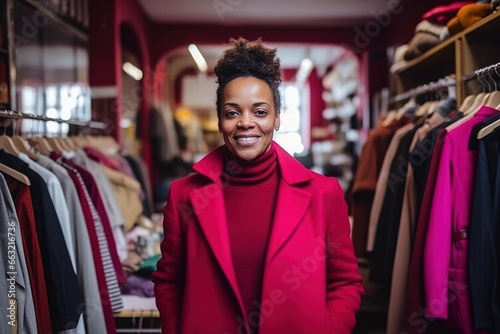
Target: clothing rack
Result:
[139, 320]
[482, 72]
[20, 115]
[429, 87]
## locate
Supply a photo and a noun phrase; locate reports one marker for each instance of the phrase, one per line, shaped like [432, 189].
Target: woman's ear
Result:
[277, 122]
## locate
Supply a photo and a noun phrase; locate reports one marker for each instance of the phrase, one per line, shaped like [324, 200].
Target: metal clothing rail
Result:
[482, 72]
[20, 115]
[430, 87]
[138, 330]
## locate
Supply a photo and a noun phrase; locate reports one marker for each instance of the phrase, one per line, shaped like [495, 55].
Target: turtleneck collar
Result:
[257, 171]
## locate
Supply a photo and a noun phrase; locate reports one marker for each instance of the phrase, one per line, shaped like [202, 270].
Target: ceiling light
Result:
[198, 58]
[132, 70]
[306, 66]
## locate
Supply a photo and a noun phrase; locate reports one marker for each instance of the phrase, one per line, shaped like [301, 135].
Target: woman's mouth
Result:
[246, 141]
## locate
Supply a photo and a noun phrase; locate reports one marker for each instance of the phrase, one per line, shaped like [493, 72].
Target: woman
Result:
[254, 242]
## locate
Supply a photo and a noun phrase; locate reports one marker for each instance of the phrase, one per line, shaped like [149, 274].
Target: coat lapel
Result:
[208, 205]
[290, 195]
[286, 220]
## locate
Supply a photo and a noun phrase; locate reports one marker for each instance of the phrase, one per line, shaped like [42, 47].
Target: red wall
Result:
[105, 61]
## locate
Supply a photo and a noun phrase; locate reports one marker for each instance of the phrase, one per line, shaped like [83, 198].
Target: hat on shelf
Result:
[436, 29]
[442, 14]
[398, 60]
[467, 16]
[427, 35]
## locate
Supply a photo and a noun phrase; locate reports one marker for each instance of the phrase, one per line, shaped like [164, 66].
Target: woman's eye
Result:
[231, 113]
[261, 112]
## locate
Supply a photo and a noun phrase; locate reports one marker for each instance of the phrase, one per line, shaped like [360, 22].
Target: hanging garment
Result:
[24, 208]
[142, 176]
[106, 277]
[16, 298]
[404, 242]
[59, 202]
[484, 263]
[92, 311]
[388, 224]
[382, 182]
[63, 289]
[365, 181]
[446, 242]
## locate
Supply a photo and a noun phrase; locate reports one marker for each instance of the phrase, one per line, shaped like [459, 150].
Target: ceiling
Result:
[288, 13]
[263, 12]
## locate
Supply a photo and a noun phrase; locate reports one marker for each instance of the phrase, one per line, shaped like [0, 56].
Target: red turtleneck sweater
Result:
[250, 198]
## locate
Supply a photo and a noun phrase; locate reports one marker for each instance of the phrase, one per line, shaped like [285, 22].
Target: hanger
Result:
[40, 145]
[432, 108]
[488, 129]
[6, 141]
[68, 143]
[493, 100]
[467, 103]
[22, 145]
[15, 174]
[423, 109]
[475, 99]
[389, 118]
[479, 102]
[54, 144]
[480, 99]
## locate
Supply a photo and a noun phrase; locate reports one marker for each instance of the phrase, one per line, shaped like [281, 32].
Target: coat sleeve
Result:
[344, 287]
[170, 273]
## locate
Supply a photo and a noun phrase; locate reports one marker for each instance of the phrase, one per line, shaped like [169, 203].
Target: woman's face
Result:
[248, 119]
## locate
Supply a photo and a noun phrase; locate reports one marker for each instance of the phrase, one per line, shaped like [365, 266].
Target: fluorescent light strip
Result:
[132, 70]
[198, 58]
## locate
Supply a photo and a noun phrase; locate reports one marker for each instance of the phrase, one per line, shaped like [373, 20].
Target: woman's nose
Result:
[246, 120]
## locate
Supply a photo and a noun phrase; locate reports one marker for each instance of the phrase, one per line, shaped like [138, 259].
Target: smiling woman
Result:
[248, 117]
[262, 240]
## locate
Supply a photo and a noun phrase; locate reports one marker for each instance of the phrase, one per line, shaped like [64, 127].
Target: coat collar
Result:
[292, 171]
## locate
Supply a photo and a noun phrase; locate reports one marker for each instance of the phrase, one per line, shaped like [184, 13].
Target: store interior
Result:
[119, 82]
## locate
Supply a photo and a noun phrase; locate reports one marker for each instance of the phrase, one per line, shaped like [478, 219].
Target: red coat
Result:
[311, 283]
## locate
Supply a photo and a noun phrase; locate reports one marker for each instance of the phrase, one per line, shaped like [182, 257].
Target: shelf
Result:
[476, 47]
[490, 24]
[445, 48]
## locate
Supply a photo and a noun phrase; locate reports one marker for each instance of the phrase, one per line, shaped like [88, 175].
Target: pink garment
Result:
[442, 14]
[446, 282]
[100, 157]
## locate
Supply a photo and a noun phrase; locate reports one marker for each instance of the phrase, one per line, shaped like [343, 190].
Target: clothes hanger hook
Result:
[479, 75]
[495, 68]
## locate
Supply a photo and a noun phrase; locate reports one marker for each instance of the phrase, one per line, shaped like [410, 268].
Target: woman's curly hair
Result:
[249, 59]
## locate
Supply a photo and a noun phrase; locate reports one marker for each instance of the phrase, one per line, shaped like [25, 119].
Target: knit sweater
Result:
[250, 197]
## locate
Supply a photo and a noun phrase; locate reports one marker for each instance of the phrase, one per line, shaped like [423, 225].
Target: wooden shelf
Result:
[445, 48]
[490, 24]
[476, 47]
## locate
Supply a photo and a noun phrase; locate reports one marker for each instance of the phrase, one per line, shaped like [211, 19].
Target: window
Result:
[293, 134]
